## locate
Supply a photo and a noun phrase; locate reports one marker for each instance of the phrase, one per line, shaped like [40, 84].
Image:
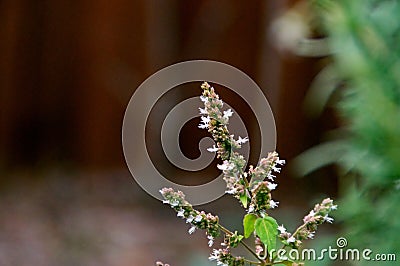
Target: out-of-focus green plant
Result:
[364, 37]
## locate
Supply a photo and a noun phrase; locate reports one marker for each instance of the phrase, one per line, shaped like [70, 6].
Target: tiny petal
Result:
[291, 239]
[281, 162]
[192, 229]
[328, 219]
[205, 119]
[189, 219]
[228, 113]
[212, 149]
[271, 177]
[272, 186]
[174, 202]
[231, 191]
[276, 169]
[203, 126]
[214, 255]
[242, 140]
[198, 218]
[202, 111]
[225, 166]
[222, 167]
[273, 204]
[251, 208]
[180, 213]
[282, 229]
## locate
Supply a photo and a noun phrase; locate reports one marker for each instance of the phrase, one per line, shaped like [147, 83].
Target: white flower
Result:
[203, 99]
[205, 119]
[281, 229]
[334, 207]
[198, 218]
[213, 149]
[276, 169]
[271, 186]
[231, 191]
[281, 162]
[203, 126]
[273, 204]
[174, 202]
[291, 239]
[192, 229]
[242, 140]
[214, 255]
[311, 235]
[228, 113]
[328, 219]
[180, 213]
[271, 177]
[210, 240]
[202, 111]
[189, 219]
[225, 166]
[222, 167]
[251, 208]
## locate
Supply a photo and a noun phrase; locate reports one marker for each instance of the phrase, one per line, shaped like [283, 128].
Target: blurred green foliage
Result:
[364, 36]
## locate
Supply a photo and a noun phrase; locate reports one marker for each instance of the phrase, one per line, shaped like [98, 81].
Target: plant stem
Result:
[226, 231]
[253, 262]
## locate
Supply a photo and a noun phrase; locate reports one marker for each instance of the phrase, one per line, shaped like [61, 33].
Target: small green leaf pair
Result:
[266, 229]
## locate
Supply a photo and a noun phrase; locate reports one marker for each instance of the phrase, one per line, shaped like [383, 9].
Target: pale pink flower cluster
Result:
[224, 257]
[197, 219]
[233, 163]
[316, 216]
[253, 188]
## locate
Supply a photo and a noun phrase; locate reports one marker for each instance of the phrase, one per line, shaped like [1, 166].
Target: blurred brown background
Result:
[67, 72]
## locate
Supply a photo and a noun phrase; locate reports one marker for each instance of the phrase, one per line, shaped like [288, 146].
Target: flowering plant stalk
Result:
[253, 190]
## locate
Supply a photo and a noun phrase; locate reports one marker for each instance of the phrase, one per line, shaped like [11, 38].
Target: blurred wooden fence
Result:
[68, 69]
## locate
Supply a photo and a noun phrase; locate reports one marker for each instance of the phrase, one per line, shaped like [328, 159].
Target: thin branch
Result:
[226, 231]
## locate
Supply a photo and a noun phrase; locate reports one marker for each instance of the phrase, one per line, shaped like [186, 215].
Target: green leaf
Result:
[248, 224]
[243, 199]
[286, 263]
[267, 230]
